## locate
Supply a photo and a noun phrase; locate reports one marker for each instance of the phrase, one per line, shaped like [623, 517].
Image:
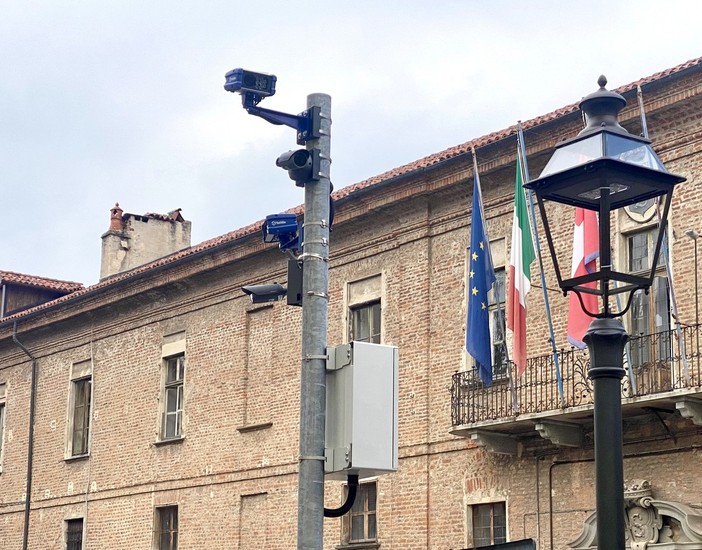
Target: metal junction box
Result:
[361, 414]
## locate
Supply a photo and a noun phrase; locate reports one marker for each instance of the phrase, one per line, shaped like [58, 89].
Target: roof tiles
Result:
[77, 289]
[39, 282]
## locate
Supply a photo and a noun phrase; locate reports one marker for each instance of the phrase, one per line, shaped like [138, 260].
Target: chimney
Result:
[134, 240]
[116, 218]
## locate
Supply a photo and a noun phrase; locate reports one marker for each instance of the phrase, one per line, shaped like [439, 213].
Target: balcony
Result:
[663, 374]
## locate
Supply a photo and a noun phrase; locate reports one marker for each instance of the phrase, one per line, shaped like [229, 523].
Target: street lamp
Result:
[605, 168]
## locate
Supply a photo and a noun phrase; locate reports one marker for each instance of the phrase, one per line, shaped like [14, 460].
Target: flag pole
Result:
[513, 391]
[666, 255]
[525, 176]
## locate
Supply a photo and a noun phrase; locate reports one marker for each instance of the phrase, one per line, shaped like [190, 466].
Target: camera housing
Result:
[243, 81]
[283, 229]
[302, 165]
[261, 294]
[277, 225]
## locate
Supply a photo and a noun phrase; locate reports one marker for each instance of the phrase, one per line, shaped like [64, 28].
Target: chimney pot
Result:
[116, 218]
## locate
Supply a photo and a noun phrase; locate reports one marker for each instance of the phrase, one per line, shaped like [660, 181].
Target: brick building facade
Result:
[160, 406]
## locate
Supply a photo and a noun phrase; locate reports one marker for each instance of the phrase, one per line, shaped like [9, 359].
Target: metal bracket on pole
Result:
[339, 357]
[320, 223]
[306, 124]
[323, 242]
[318, 294]
[306, 255]
[322, 458]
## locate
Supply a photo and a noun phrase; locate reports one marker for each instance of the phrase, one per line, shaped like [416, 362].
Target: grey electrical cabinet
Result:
[361, 414]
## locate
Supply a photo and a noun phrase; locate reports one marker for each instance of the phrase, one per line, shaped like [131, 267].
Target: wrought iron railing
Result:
[654, 363]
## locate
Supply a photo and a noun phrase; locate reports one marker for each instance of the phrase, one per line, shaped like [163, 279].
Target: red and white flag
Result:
[586, 250]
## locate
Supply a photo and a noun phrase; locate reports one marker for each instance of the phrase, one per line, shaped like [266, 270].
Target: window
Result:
[166, 528]
[74, 534]
[365, 323]
[650, 313]
[496, 306]
[363, 302]
[489, 523]
[79, 414]
[2, 421]
[258, 387]
[173, 397]
[359, 525]
[80, 425]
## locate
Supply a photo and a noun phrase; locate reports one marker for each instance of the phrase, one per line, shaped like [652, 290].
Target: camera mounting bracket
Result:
[306, 124]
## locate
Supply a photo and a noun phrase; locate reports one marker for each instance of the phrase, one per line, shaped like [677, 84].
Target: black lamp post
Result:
[605, 168]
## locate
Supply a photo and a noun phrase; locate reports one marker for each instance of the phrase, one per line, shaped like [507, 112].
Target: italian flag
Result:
[521, 256]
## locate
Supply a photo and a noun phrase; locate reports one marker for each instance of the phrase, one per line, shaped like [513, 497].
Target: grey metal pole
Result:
[315, 297]
[605, 340]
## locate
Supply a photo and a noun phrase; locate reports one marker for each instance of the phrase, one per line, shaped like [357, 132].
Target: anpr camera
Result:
[243, 81]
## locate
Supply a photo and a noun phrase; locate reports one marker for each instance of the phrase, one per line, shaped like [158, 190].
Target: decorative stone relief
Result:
[642, 521]
[650, 523]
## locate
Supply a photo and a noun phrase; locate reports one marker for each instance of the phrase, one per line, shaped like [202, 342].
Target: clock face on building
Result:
[642, 211]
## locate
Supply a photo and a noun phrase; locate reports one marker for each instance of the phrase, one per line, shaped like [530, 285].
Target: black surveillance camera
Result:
[261, 294]
[302, 165]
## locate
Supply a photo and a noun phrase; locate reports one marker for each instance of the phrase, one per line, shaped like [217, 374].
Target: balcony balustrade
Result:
[655, 364]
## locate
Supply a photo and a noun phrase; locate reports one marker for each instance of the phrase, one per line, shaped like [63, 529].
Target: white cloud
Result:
[123, 100]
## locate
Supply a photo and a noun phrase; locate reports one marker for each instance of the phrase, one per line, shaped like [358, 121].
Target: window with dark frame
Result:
[80, 425]
[166, 528]
[173, 397]
[365, 323]
[650, 312]
[360, 525]
[496, 307]
[489, 524]
[74, 534]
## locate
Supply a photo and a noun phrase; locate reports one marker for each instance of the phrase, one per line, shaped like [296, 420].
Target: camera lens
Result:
[300, 158]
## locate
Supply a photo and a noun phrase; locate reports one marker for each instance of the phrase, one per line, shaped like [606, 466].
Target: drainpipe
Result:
[2, 299]
[30, 443]
[538, 503]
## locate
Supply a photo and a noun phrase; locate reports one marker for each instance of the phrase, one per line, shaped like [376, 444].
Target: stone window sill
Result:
[169, 441]
[76, 458]
[370, 545]
[255, 427]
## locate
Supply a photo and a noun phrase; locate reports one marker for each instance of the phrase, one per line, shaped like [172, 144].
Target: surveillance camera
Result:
[302, 165]
[283, 229]
[243, 81]
[280, 224]
[261, 294]
[294, 160]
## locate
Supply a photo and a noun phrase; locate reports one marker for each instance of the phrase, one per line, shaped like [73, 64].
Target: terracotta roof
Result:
[466, 147]
[420, 164]
[193, 250]
[40, 282]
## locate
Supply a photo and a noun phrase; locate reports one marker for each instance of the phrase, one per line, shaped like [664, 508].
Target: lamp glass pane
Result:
[574, 154]
[632, 152]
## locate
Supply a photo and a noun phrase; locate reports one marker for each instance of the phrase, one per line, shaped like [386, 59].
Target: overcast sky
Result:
[106, 101]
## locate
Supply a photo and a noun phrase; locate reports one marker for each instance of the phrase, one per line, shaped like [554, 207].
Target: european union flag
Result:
[481, 276]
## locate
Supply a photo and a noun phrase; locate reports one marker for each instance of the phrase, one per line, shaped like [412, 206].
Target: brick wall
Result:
[233, 475]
